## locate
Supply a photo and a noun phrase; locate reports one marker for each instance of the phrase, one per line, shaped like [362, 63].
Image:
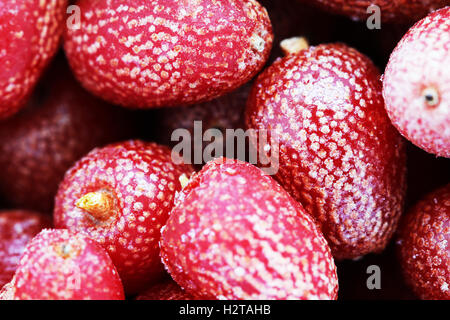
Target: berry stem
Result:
[184, 180]
[294, 45]
[100, 204]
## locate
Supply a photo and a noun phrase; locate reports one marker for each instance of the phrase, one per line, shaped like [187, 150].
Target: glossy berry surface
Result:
[423, 246]
[120, 196]
[417, 84]
[395, 11]
[167, 53]
[62, 265]
[168, 290]
[234, 233]
[30, 32]
[17, 228]
[61, 123]
[339, 154]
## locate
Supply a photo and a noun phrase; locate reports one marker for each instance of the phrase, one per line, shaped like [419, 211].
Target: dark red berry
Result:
[424, 246]
[61, 124]
[395, 11]
[167, 290]
[223, 113]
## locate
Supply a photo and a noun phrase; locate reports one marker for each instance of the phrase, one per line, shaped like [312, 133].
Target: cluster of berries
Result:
[128, 214]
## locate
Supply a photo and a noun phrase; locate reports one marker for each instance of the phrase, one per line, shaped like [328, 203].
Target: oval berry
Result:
[62, 265]
[423, 245]
[166, 53]
[339, 154]
[120, 196]
[234, 233]
[17, 228]
[30, 31]
[417, 84]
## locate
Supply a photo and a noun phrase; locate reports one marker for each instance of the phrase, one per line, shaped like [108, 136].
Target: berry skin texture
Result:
[63, 265]
[168, 290]
[30, 32]
[120, 196]
[416, 85]
[423, 246]
[395, 11]
[234, 233]
[60, 125]
[339, 154]
[167, 53]
[17, 228]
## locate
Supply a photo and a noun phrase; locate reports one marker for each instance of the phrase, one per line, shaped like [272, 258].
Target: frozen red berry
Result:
[120, 196]
[17, 228]
[416, 85]
[63, 265]
[424, 246]
[30, 31]
[395, 11]
[224, 113]
[234, 233]
[339, 154]
[167, 53]
[61, 124]
[167, 290]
